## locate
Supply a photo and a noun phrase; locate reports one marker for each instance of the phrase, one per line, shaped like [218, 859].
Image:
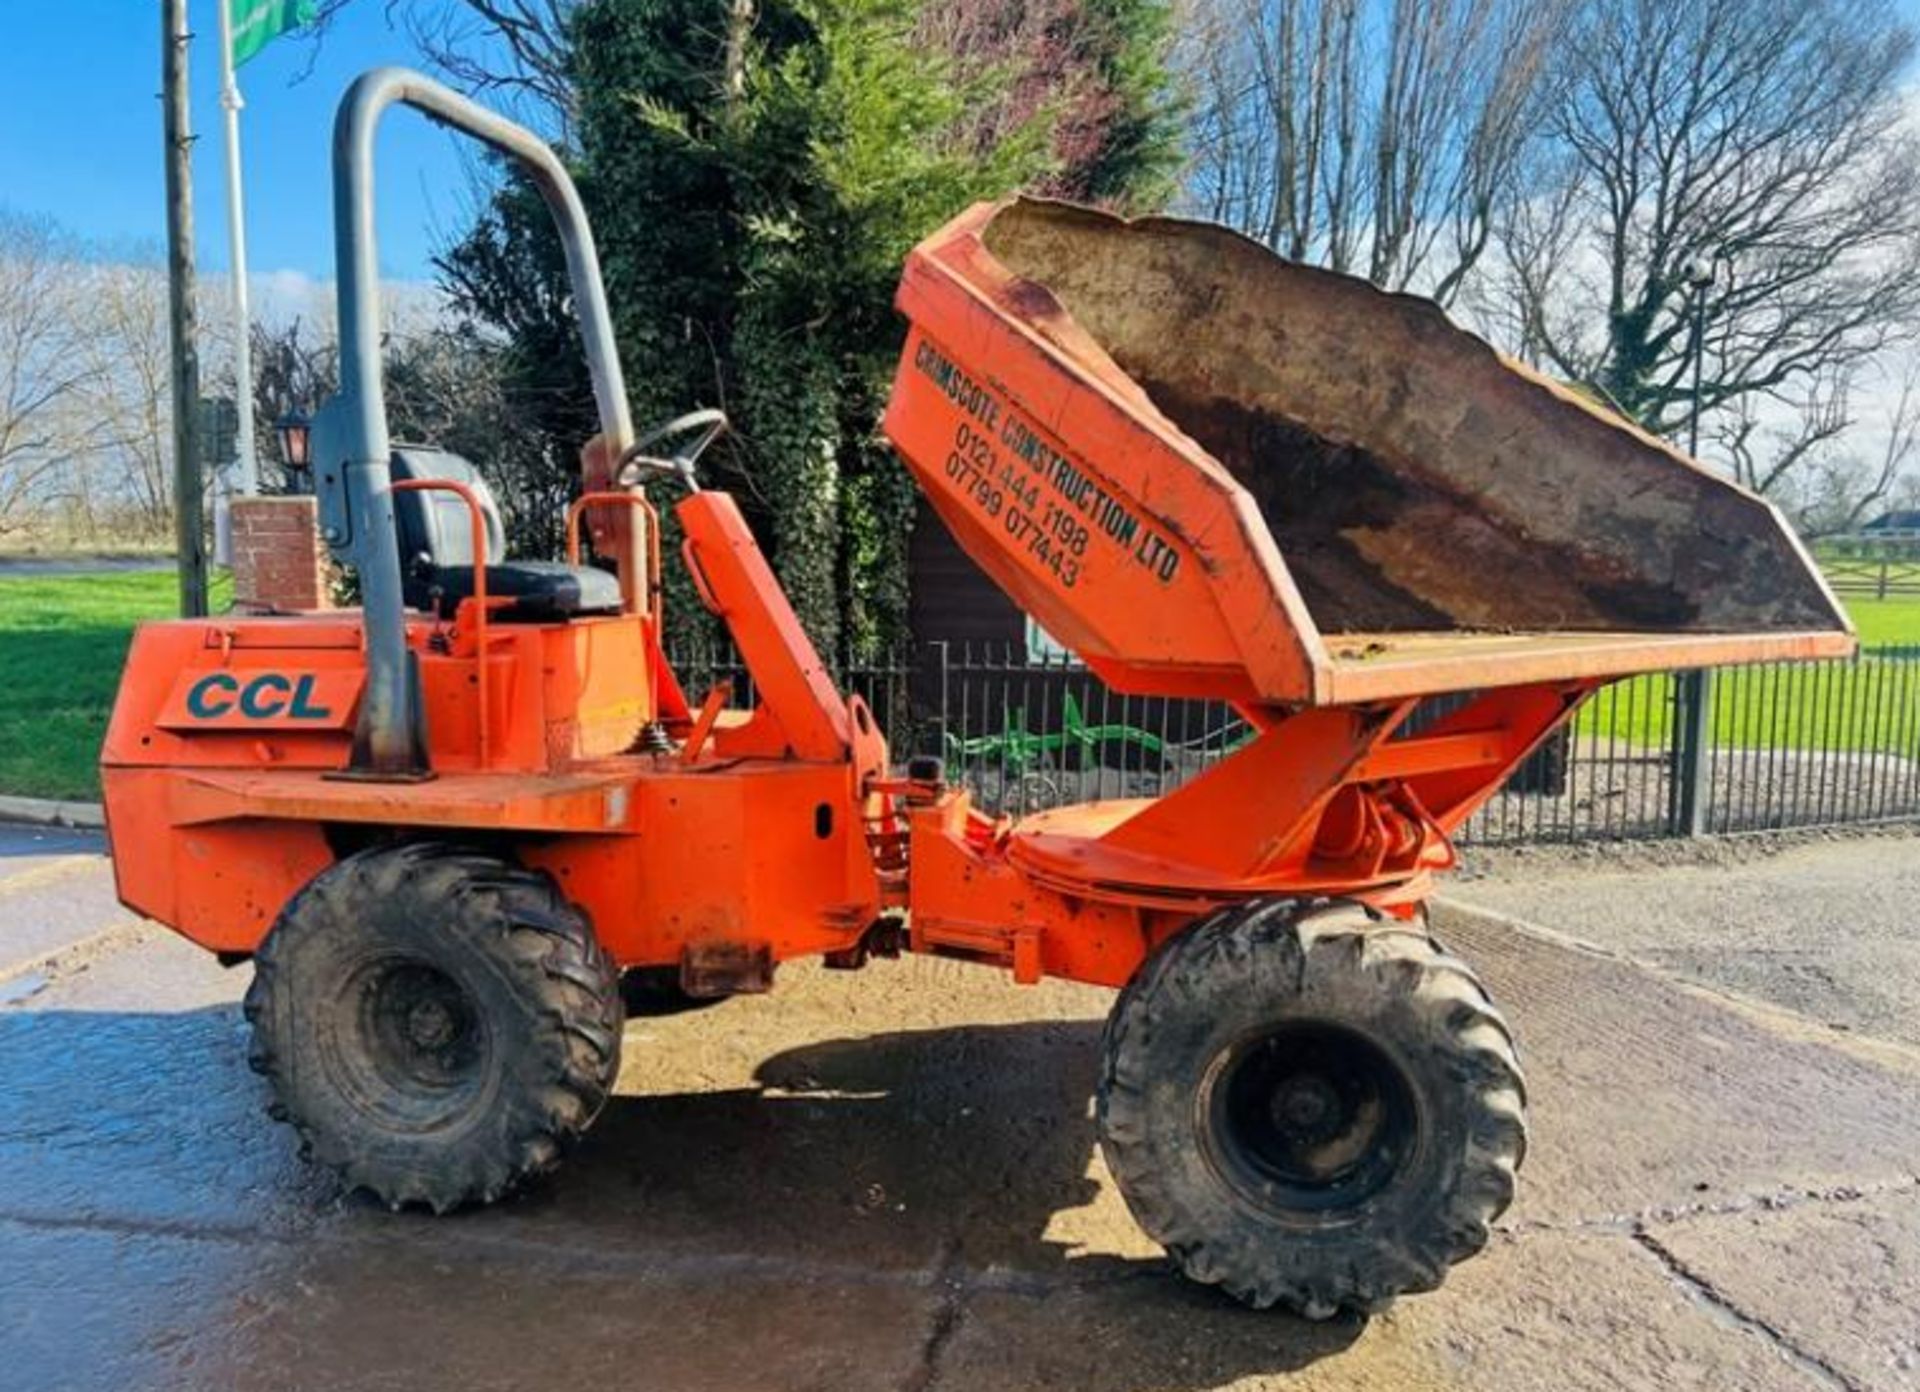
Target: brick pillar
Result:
[278, 560]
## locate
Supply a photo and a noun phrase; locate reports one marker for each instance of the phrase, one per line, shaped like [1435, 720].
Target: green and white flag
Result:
[257, 23]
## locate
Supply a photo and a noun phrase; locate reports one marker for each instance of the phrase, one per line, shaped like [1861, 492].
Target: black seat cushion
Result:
[541, 590]
[436, 551]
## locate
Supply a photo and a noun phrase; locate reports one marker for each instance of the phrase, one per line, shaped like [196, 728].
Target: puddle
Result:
[22, 987]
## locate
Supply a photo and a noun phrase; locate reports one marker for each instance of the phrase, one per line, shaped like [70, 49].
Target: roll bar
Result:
[350, 441]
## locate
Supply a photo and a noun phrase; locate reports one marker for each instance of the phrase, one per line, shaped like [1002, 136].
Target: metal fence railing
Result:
[1781, 745]
[1784, 745]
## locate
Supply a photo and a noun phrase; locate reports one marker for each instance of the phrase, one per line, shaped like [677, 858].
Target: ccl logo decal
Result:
[227, 698]
[260, 698]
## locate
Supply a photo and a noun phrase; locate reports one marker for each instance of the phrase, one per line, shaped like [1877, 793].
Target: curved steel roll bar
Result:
[351, 447]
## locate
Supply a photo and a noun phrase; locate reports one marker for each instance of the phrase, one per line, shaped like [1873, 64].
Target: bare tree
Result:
[1826, 476]
[41, 368]
[1382, 137]
[1758, 143]
[293, 370]
[127, 393]
[516, 50]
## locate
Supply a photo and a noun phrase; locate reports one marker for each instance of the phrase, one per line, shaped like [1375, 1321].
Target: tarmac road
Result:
[80, 565]
[1823, 925]
[888, 1180]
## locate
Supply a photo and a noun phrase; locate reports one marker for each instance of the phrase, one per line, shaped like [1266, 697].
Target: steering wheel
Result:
[698, 429]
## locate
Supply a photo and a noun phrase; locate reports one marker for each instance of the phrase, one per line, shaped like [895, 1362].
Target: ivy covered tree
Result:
[757, 171]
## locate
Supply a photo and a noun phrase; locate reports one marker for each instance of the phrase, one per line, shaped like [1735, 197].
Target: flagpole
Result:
[245, 476]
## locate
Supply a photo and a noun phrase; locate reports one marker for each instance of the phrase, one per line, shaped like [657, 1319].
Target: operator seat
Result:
[436, 551]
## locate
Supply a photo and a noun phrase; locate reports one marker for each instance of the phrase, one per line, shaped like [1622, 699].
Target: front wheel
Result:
[1311, 1107]
[437, 1024]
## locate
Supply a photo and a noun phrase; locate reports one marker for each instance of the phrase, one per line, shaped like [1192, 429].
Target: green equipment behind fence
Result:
[1018, 747]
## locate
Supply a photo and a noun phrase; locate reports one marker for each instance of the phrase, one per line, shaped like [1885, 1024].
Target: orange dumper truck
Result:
[445, 825]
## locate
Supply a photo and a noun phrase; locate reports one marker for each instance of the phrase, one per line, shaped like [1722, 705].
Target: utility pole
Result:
[188, 498]
[1692, 771]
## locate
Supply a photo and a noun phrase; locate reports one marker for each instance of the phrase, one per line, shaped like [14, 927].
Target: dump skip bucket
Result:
[1213, 472]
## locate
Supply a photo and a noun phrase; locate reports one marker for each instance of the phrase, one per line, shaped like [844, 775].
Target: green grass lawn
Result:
[1883, 622]
[1830, 705]
[63, 639]
[1872, 704]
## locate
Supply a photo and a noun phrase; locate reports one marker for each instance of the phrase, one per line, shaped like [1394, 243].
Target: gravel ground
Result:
[1822, 923]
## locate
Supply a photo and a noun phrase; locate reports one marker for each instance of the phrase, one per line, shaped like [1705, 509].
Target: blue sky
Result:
[80, 136]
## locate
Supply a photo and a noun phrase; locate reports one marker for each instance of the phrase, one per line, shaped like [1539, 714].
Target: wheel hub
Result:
[1306, 1108]
[1308, 1117]
[412, 1049]
[422, 1025]
[430, 1025]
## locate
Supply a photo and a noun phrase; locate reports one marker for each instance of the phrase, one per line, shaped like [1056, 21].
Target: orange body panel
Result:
[221, 769]
[1063, 368]
[769, 831]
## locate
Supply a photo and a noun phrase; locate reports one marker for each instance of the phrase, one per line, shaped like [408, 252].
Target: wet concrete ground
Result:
[889, 1181]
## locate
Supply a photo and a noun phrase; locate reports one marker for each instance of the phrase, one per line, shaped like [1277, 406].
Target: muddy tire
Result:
[438, 1025]
[1310, 1107]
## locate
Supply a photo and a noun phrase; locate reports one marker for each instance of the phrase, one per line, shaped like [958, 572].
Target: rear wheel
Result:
[438, 1025]
[1311, 1107]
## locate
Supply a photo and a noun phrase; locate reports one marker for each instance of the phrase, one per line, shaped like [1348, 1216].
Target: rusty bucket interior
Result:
[1424, 498]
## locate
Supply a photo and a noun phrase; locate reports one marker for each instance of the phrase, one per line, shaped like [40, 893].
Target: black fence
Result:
[1760, 747]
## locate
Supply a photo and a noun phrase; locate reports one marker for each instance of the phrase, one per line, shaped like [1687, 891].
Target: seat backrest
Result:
[435, 527]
